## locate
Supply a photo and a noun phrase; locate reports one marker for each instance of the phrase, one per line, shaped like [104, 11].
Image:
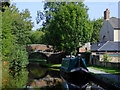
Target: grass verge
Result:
[37, 60]
[106, 69]
[52, 65]
[54, 69]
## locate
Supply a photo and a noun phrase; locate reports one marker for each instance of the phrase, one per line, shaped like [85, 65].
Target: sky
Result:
[96, 8]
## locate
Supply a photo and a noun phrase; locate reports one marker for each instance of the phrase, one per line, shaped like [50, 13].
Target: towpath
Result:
[109, 76]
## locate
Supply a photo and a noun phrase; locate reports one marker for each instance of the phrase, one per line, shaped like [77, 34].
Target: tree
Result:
[22, 25]
[97, 24]
[36, 36]
[67, 25]
[4, 4]
[16, 27]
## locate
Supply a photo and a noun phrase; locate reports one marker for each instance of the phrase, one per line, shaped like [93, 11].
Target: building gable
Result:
[107, 32]
[110, 30]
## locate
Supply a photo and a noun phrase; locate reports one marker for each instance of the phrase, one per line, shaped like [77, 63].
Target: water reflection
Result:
[36, 72]
[40, 77]
[14, 79]
[35, 76]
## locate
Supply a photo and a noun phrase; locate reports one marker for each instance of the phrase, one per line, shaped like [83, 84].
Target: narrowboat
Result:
[74, 70]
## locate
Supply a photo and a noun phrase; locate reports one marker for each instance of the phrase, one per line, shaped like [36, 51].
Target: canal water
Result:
[36, 76]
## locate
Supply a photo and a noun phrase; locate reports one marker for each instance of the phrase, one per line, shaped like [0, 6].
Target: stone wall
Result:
[56, 58]
[40, 47]
[99, 61]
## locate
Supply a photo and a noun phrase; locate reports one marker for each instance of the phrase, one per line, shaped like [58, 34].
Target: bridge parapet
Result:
[42, 52]
[39, 47]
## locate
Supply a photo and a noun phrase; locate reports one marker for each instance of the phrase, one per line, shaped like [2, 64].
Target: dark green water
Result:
[34, 76]
[37, 77]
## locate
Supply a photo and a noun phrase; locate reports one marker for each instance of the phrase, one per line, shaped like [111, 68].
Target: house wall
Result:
[107, 31]
[85, 47]
[116, 35]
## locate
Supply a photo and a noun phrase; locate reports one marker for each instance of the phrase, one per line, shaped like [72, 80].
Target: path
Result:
[113, 77]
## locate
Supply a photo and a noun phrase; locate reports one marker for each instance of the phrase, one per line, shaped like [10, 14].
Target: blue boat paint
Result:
[73, 64]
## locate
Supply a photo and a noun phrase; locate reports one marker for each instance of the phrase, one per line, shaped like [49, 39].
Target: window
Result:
[103, 39]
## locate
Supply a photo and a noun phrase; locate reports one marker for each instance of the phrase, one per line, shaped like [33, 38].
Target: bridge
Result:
[39, 49]
[41, 52]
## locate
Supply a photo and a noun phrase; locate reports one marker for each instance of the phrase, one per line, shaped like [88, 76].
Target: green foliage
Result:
[97, 24]
[18, 57]
[66, 25]
[0, 35]
[16, 29]
[4, 4]
[105, 57]
[113, 17]
[36, 36]
[33, 49]
[14, 79]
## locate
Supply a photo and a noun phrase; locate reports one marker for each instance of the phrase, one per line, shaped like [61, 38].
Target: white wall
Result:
[116, 35]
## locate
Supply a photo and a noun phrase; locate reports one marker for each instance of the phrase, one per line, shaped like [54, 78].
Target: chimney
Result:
[106, 14]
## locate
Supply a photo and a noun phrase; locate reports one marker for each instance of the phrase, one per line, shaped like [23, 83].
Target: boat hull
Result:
[78, 78]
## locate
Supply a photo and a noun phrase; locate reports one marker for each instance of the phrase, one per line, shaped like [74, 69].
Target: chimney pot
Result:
[106, 14]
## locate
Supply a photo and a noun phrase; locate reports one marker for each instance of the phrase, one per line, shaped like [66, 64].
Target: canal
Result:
[37, 76]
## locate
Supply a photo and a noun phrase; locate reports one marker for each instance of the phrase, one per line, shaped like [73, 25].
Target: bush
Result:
[106, 58]
[33, 49]
[18, 57]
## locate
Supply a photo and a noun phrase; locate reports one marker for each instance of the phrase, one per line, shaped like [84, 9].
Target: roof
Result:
[106, 46]
[115, 22]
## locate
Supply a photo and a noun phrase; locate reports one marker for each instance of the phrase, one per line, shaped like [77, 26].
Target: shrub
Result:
[18, 57]
[106, 57]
